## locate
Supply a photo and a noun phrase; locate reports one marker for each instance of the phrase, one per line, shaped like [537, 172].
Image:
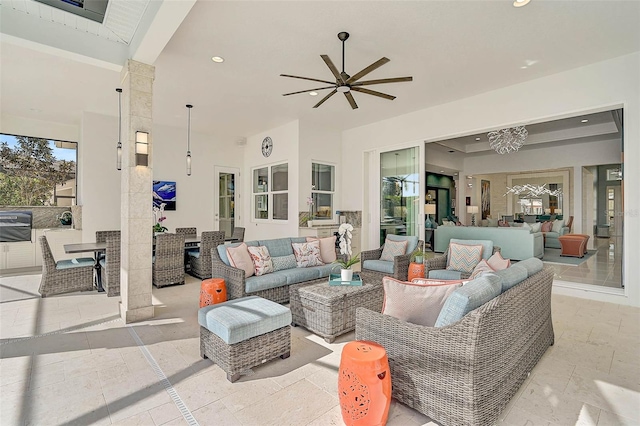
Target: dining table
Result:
[190, 241]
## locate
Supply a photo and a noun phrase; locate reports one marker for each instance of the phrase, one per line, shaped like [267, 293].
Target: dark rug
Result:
[552, 255]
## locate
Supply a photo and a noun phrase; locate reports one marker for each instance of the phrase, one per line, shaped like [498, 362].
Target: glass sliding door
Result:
[400, 193]
[225, 200]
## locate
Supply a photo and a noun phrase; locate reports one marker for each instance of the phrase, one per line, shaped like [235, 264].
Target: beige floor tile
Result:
[93, 362]
[142, 419]
[198, 391]
[609, 419]
[215, 413]
[83, 411]
[165, 413]
[131, 396]
[47, 374]
[583, 354]
[278, 408]
[519, 417]
[180, 421]
[332, 417]
[249, 392]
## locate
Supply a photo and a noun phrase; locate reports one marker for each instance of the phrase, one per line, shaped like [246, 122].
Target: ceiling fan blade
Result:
[382, 81]
[310, 90]
[332, 67]
[373, 92]
[377, 64]
[307, 78]
[352, 101]
[333, 92]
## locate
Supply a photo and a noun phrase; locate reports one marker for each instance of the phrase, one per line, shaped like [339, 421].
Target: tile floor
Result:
[90, 370]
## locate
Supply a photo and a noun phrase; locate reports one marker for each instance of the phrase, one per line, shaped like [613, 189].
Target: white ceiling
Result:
[453, 50]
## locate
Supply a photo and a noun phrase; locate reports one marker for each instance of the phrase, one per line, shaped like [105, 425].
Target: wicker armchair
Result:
[66, 275]
[439, 263]
[466, 373]
[168, 262]
[200, 260]
[238, 234]
[111, 266]
[400, 263]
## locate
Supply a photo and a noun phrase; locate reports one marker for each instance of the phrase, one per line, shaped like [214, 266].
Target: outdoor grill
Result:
[15, 226]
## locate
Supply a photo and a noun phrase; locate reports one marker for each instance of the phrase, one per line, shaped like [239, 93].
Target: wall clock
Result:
[267, 146]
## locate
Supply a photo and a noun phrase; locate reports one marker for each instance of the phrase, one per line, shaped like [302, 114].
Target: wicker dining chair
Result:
[192, 232]
[101, 237]
[111, 267]
[64, 276]
[168, 262]
[238, 234]
[200, 260]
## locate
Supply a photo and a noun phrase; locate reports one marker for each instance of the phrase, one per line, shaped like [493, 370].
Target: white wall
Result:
[597, 87]
[285, 149]
[194, 194]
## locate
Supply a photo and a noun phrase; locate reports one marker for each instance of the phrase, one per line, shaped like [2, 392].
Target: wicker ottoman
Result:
[243, 333]
[330, 311]
[573, 244]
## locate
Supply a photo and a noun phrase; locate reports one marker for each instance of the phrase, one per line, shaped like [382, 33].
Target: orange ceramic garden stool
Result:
[364, 384]
[416, 270]
[212, 291]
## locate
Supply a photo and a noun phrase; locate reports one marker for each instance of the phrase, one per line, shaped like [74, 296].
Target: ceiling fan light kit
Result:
[345, 83]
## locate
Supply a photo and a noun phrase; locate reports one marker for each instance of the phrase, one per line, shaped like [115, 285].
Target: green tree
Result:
[29, 172]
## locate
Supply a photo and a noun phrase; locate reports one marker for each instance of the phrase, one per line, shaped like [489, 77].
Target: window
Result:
[270, 188]
[37, 171]
[322, 191]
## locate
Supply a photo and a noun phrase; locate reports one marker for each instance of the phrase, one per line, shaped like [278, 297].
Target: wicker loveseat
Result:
[466, 372]
[273, 286]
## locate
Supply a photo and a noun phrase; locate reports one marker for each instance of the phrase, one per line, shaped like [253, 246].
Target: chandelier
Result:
[532, 190]
[507, 140]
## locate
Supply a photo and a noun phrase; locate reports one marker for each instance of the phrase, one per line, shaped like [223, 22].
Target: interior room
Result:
[219, 212]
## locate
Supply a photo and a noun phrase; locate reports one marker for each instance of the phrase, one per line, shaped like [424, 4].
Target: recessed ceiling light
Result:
[455, 174]
[218, 59]
[451, 151]
[520, 3]
[584, 121]
[477, 139]
[313, 93]
[441, 171]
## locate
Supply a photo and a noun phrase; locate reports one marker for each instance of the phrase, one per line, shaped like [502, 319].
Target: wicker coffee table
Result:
[330, 311]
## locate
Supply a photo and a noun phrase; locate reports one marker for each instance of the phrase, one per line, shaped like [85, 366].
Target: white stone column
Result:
[136, 213]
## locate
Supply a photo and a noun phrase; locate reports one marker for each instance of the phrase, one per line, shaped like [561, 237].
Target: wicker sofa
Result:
[466, 372]
[273, 286]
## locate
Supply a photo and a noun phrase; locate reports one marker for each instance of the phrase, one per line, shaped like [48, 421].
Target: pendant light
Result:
[189, 142]
[119, 146]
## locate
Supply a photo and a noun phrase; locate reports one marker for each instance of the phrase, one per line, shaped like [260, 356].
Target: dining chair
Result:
[168, 261]
[64, 276]
[111, 266]
[101, 237]
[238, 234]
[200, 260]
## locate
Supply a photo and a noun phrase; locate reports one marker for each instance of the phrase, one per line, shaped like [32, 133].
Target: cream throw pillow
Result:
[239, 258]
[416, 303]
[557, 225]
[327, 248]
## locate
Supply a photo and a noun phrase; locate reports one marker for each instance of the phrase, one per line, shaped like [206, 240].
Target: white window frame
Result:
[269, 193]
[331, 218]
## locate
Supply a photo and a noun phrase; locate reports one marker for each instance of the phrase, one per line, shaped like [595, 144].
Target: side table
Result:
[416, 270]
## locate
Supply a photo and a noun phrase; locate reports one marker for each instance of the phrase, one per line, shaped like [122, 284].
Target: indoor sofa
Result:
[514, 243]
[273, 286]
[464, 371]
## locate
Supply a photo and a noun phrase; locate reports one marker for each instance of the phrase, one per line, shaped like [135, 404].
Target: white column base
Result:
[135, 315]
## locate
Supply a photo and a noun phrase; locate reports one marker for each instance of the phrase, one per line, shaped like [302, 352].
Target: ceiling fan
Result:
[345, 83]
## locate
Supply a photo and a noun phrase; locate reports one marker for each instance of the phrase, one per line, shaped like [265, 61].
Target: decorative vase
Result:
[309, 223]
[346, 274]
[419, 259]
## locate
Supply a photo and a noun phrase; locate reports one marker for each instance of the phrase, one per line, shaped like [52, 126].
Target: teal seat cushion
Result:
[487, 246]
[103, 263]
[512, 276]
[278, 247]
[326, 270]
[469, 297]
[299, 275]
[378, 265]
[411, 244]
[444, 274]
[265, 282]
[193, 253]
[241, 319]
[75, 263]
[533, 265]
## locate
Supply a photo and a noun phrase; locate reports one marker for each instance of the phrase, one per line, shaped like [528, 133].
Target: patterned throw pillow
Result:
[416, 303]
[481, 268]
[307, 254]
[281, 263]
[327, 248]
[392, 249]
[239, 258]
[261, 260]
[546, 226]
[463, 258]
[498, 263]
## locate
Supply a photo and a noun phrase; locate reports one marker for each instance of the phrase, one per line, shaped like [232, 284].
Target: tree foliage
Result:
[29, 172]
